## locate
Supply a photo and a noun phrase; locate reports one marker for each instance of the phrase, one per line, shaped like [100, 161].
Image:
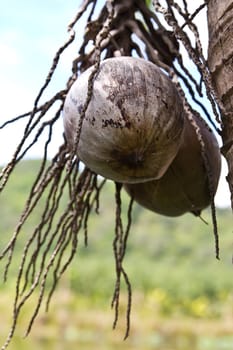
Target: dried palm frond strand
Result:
[119, 246]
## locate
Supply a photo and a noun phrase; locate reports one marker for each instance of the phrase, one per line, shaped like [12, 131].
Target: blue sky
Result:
[31, 31]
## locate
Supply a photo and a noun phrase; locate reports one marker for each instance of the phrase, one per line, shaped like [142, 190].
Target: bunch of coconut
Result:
[135, 131]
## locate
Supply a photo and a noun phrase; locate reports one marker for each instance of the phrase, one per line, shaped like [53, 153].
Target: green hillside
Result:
[172, 256]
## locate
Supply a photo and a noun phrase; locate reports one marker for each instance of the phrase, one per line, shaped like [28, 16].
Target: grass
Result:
[75, 320]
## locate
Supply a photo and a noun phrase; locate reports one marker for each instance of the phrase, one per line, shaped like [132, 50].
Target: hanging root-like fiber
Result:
[116, 30]
[119, 246]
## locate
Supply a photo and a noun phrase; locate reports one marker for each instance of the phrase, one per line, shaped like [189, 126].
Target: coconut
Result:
[132, 127]
[185, 186]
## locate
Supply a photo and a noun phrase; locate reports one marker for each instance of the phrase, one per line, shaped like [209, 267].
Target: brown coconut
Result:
[185, 185]
[133, 124]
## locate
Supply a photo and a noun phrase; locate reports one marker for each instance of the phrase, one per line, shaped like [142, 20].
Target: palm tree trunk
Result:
[220, 61]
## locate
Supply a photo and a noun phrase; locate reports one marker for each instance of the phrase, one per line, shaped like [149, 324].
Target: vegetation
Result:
[170, 262]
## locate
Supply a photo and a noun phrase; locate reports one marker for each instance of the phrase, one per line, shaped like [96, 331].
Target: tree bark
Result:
[220, 62]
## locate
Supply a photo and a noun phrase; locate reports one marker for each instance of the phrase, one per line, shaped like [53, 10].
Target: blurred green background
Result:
[182, 295]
